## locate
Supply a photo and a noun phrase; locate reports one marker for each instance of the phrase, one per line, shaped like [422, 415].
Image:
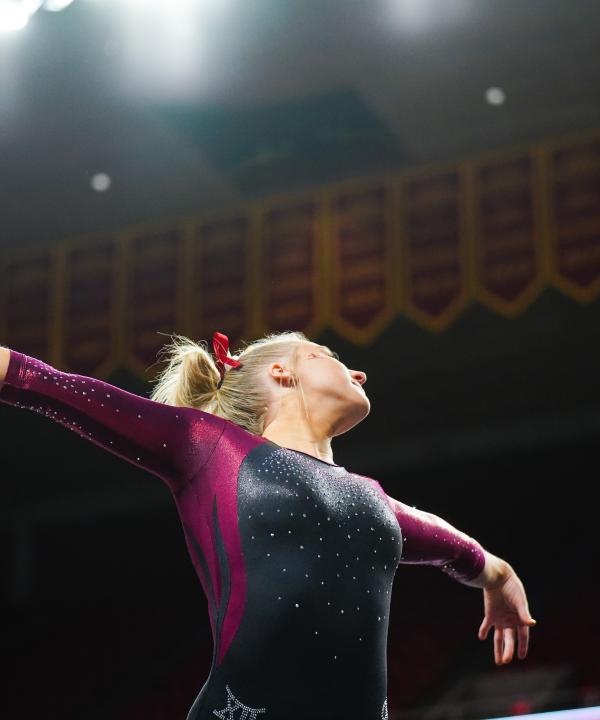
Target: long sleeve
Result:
[428, 539]
[170, 442]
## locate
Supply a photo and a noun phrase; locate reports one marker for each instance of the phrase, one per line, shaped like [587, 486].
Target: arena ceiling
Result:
[199, 105]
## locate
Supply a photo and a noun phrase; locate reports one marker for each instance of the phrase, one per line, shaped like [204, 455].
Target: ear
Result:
[280, 373]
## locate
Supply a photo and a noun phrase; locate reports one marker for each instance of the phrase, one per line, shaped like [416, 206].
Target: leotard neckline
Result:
[307, 454]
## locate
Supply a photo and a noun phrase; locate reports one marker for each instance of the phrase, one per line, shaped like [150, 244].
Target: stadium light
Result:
[15, 14]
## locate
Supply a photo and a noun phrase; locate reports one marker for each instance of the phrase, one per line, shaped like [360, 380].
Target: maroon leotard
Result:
[296, 555]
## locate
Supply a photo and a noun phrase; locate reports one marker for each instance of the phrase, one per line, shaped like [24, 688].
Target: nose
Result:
[359, 376]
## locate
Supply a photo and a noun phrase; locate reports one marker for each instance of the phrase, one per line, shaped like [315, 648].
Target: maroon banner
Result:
[289, 266]
[154, 293]
[89, 335]
[362, 263]
[574, 178]
[220, 278]
[434, 254]
[29, 293]
[507, 247]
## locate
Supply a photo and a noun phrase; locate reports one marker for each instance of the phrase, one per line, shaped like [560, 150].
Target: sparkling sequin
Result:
[384, 711]
[230, 711]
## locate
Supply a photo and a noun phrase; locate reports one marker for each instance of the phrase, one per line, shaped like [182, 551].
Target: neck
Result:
[299, 439]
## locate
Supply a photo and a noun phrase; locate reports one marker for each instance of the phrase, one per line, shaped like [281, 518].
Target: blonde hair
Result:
[191, 377]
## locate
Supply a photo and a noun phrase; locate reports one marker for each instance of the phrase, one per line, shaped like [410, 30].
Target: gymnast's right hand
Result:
[506, 608]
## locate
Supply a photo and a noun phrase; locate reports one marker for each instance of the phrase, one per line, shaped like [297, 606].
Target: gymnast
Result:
[296, 554]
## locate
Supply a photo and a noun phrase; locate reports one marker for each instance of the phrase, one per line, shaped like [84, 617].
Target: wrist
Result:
[494, 574]
[497, 574]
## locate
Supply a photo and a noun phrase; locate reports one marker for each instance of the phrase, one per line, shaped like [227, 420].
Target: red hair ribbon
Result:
[221, 351]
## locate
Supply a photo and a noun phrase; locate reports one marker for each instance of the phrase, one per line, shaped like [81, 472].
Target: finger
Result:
[525, 617]
[523, 641]
[483, 629]
[509, 644]
[498, 646]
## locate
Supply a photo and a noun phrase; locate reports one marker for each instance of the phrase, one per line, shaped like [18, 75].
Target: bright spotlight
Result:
[495, 96]
[13, 16]
[100, 182]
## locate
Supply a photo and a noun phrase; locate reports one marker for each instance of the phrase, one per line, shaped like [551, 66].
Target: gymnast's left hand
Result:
[506, 609]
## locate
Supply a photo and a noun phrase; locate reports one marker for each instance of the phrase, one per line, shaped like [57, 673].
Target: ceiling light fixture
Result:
[495, 96]
[15, 14]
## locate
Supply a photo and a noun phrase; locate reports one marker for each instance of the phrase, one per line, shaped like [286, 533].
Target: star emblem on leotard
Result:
[384, 711]
[233, 705]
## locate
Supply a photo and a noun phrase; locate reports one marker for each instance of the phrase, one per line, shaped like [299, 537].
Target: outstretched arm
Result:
[429, 539]
[170, 442]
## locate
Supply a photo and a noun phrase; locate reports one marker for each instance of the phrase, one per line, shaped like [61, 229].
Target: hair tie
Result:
[223, 359]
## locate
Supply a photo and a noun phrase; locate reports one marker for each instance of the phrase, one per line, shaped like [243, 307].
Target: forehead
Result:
[315, 346]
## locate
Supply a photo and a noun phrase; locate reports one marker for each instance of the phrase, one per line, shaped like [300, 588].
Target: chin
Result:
[364, 401]
[354, 415]
[367, 408]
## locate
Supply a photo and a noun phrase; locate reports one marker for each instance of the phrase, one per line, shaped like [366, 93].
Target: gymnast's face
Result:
[335, 397]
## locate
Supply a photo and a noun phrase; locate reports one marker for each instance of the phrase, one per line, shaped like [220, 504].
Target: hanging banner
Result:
[89, 336]
[361, 260]
[30, 280]
[507, 243]
[291, 269]
[153, 298]
[574, 209]
[219, 278]
[496, 228]
[434, 248]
